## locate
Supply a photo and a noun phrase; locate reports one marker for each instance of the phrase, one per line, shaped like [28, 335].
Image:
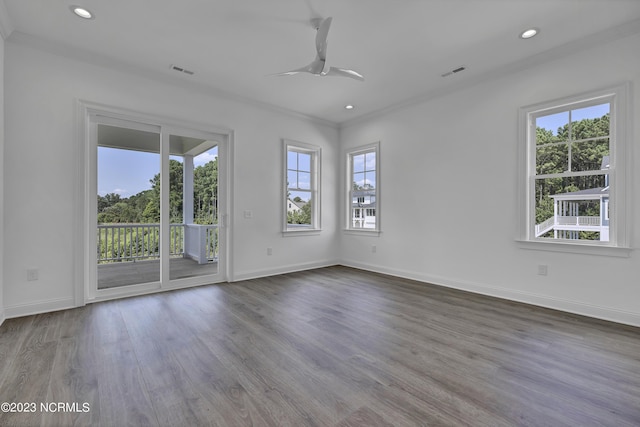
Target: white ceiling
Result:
[401, 46]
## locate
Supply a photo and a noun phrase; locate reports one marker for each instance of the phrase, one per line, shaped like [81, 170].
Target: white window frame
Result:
[350, 154]
[316, 154]
[619, 173]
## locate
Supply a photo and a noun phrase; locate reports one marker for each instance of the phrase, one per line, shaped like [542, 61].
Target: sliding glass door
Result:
[156, 207]
[193, 207]
[128, 205]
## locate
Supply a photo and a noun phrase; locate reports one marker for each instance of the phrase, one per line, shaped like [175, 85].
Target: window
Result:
[363, 165]
[302, 193]
[573, 166]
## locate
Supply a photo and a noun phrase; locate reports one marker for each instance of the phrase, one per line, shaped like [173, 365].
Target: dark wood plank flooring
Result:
[328, 347]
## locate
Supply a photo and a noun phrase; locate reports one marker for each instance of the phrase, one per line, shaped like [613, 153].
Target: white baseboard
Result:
[39, 307]
[255, 274]
[590, 310]
[598, 312]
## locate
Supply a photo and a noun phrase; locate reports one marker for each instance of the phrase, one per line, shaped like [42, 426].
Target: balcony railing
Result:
[579, 220]
[132, 242]
[545, 226]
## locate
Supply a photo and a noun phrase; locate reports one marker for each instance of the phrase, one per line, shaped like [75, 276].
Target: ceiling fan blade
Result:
[287, 73]
[333, 71]
[321, 38]
[291, 72]
[314, 68]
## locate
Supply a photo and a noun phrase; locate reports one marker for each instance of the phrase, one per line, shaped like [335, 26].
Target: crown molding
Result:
[6, 26]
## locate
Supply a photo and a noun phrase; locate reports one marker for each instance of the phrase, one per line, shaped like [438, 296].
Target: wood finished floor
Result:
[328, 347]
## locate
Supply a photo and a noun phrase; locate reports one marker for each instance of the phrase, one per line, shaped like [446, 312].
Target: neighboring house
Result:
[293, 206]
[567, 223]
[363, 208]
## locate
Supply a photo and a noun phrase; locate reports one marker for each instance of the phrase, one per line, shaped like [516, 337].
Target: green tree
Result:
[205, 189]
[107, 200]
[302, 216]
[145, 206]
[151, 213]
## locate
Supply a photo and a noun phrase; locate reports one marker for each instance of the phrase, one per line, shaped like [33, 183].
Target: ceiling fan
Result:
[319, 66]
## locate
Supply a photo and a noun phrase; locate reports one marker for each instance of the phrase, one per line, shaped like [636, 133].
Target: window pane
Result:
[292, 160]
[552, 158]
[358, 163]
[304, 162]
[362, 197]
[193, 234]
[578, 205]
[302, 187]
[590, 155]
[590, 122]
[128, 213]
[370, 161]
[292, 179]
[304, 180]
[370, 180]
[552, 128]
[299, 211]
[297, 196]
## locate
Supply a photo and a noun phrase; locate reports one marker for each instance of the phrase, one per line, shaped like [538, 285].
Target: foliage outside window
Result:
[302, 188]
[363, 198]
[144, 207]
[573, 163]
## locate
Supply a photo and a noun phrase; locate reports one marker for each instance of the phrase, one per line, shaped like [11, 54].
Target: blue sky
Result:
[554, 121]
[127, 172]
[364, 166]
[299, 174]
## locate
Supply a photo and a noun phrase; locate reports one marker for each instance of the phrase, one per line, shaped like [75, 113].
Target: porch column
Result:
[555, 218]
[187, 189]
[190, 241]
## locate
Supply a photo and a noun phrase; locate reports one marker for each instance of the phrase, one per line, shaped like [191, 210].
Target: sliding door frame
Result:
[88, 114]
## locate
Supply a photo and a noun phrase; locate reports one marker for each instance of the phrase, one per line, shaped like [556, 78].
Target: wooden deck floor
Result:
[328, 347]
[132, 273]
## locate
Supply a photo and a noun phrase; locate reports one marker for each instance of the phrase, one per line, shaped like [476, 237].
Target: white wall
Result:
[449, 207]
[40, 169]
[2, 181]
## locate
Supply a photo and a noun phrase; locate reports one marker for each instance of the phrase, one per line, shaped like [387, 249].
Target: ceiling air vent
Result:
[454, 71]
[182, 70]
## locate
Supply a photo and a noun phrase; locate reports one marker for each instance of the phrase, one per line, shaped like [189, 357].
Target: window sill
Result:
[362, 232]
[575, 248]
[301, 232]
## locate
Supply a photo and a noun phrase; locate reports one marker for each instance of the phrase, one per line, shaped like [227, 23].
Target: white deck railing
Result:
[579, 220]
[544, 226]
[567, 221]
[132, 242]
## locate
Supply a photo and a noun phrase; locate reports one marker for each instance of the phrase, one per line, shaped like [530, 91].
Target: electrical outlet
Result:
[269, 251]
[248, 214]
[32, 274]
[374, 249]
[542, 270]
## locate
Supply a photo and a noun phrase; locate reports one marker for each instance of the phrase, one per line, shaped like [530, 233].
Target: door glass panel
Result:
[193, 207]
[128, 207]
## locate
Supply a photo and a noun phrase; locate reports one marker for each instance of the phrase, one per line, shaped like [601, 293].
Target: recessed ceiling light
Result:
[81, 12]
[349, 107]
[527, 34]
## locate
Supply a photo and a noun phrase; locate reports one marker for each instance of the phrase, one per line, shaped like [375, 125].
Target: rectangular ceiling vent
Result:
[182, 70]
[454, 71]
